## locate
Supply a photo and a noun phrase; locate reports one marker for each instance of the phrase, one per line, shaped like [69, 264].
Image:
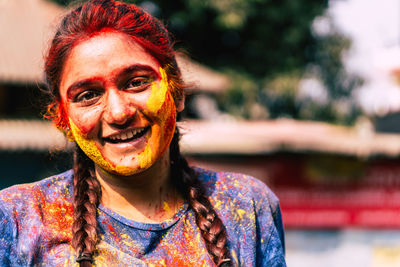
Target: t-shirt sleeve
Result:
[7, 237]
[270, 235]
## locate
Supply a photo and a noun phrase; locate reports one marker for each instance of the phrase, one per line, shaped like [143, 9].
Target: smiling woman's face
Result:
[119, 106]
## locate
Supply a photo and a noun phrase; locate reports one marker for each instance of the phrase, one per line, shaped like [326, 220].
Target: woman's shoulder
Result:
[26, 196]
[250, 213]
[33, 216]
[235, 184]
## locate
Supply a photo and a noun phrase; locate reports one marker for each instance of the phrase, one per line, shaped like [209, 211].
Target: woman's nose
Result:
[118, 109]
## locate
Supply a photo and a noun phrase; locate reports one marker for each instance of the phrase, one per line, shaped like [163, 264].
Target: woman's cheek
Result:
[89, 147]
[86, 120]
[160, 107]
[168, 123]
[158, 96]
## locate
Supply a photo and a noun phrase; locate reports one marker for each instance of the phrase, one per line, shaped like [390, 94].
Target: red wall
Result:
[322, 190]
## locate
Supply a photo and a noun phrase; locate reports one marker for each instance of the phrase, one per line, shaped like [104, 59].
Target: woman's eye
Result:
[87, 97]
[139, 83]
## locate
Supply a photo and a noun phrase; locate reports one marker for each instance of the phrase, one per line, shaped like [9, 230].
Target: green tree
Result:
[259, 37]
[266, 47]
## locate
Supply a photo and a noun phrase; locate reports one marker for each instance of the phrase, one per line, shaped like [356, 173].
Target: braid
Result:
[211, 226]
[87, 194]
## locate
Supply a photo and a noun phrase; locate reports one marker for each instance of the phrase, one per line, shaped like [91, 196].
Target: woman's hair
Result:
[80, 24]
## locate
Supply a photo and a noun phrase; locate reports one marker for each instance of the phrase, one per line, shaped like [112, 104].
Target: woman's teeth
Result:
[126, 135]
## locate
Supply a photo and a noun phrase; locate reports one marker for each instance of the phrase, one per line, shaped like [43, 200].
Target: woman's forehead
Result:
[104, 55]
[111, 45]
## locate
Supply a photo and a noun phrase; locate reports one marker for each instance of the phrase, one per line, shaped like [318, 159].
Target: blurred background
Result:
[302, 94]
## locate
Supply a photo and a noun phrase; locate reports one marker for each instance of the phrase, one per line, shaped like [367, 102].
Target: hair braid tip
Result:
[84, 257]
[224, 263]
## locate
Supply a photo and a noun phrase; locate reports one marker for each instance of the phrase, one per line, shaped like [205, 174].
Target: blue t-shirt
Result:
[36, 219]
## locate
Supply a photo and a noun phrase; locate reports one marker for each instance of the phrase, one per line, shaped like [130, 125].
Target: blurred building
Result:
[25, 26]
[325, 176]
[339, 187]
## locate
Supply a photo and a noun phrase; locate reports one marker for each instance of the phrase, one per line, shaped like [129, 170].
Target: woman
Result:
[131, 198]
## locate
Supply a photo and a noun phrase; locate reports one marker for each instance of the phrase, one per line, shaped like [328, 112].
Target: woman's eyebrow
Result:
[83, 83]
[135, 68]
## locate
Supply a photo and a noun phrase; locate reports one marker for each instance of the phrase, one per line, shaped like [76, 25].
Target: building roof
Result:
[263, 137]
[32, 135]
[238, 137]
[26, 27]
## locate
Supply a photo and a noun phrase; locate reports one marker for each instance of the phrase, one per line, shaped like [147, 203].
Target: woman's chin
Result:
[121, 170]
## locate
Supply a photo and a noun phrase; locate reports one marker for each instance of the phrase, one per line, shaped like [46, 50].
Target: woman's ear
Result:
[180, 104]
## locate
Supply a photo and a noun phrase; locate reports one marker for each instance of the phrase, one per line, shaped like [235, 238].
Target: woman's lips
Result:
[127, 136]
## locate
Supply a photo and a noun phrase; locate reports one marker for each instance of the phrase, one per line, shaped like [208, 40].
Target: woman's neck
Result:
[147, 197]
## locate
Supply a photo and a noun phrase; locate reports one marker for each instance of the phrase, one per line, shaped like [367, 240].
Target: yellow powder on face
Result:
[89, 147]
[160, 107]
[158, 93]
[145, 158]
